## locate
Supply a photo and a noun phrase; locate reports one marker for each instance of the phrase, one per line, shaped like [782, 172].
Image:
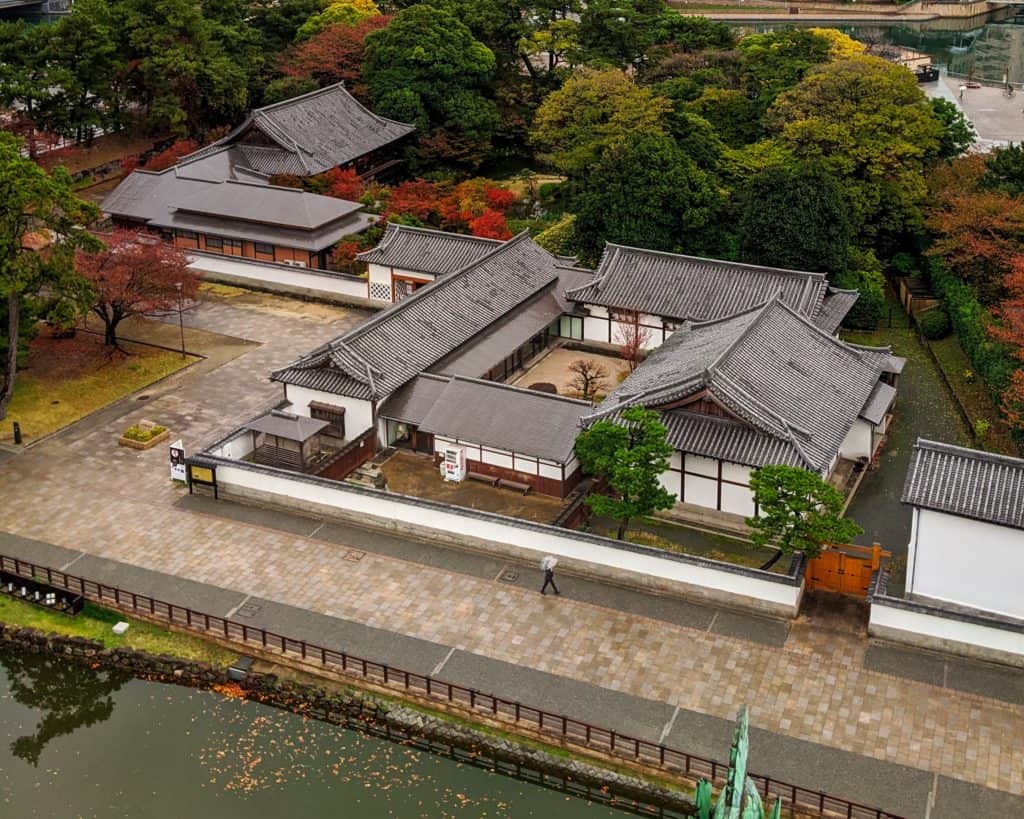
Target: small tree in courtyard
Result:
[799, 512]
[588, 377]
[629, 456]
[632, 337]
[135, 275]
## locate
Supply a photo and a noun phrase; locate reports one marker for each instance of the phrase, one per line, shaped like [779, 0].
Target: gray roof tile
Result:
[287, 425]
[427, 251]
[966, 482]
[313, 133]
[771, 368]
[388, 350]
[505, 417]
[687, 287]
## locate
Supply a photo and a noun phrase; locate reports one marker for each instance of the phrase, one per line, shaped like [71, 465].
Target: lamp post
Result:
[181, 323]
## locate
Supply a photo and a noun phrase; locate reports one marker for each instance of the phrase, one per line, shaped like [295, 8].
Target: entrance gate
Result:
[845, 569]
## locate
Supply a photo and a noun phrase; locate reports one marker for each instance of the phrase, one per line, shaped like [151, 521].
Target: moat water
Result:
[77, 742]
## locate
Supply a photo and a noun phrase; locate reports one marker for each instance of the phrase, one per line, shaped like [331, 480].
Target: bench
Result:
[504, 483]
[480, 476]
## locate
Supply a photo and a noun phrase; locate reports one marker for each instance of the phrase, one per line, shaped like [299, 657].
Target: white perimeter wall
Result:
[932, 630]
[968, 562]
[642, 565]
[358, 413]
[278, 276]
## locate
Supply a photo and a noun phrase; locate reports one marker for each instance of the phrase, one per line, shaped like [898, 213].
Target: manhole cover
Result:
[354, 555]
[249, 610]
[509, 576]
[142, 398]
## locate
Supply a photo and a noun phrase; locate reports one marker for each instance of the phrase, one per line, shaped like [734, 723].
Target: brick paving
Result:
[81, 491]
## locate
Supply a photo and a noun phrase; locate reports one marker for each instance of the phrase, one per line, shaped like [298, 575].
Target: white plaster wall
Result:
[382, 505]
[522, 463]
[737, 499]
[236, 447]
[702, 465]
[735, 472]
[965, 561]
[358, 413]
[294, 278]
[549, 469]
[676, 460]
[701, 491]
[920, 628]
[502, 459]
[857, 443]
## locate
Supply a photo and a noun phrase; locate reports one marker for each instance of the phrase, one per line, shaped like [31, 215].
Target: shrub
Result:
[137, 433]
[992, 361]
[867, 310]
[934, 324]
[904, 264]
[549, 191]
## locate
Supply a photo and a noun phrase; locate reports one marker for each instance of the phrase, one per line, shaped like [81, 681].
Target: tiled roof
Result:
[427, 251]
[238, 210]
[878, 402]
[411, 403]
[385, 352]
[287, 425]
[687, 287]
[769, 367]
[509, 418]
[836, 305]
[727, 439]
[966, 482]
[313, 133]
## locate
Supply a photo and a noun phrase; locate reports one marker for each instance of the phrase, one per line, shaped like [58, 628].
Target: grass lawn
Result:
[95, 623]
[66, 379]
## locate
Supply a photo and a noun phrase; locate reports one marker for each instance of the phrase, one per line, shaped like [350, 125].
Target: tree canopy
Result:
[629, 456]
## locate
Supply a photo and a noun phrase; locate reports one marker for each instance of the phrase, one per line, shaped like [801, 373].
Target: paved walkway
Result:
[829, 712]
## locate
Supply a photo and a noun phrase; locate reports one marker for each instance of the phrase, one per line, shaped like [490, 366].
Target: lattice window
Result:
[379, 291]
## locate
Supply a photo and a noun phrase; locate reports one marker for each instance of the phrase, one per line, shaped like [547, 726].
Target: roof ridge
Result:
[447, 233]
[748, 265]
[501, 385]
[828, 336]
[974, 454]
[761, 310]
[433, 287]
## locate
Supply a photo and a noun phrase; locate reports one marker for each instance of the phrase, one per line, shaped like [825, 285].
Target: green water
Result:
[75, 742]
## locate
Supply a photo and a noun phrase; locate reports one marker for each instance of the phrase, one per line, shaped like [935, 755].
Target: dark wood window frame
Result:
[265, 248]
[213, 242]
[334, 415]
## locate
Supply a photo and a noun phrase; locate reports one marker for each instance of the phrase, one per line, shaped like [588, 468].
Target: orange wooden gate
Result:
[844, 569]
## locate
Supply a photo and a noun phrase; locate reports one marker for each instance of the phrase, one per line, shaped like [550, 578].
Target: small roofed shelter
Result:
[287, 440]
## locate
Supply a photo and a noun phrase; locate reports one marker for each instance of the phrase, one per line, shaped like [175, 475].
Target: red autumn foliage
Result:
[334, 55]
[169, 156]
[130, 163]
[136, 274]
[343, 184]
[344, 255]
[500, 199]
[490, 224]
[417, 198]
[632, 337]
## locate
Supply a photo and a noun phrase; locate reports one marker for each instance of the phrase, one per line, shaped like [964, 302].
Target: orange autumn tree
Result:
[977, 235]
[135, 275]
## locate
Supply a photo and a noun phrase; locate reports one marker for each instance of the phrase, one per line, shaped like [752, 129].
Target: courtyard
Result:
[553, 368]
[413, 474]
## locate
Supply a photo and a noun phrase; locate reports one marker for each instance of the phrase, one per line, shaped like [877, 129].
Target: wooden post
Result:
[876, 556]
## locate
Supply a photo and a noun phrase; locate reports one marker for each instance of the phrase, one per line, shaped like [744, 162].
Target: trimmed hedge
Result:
[992, 360]
[935, 324]
[867, 310]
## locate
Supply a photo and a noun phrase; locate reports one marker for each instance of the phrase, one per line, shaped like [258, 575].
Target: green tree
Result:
[590, 111]
[735, 117]
[427, 68]
[775, 61]
[277, 21]
[1004, 170]
[863, 274]
[629, 456]
[869, 125]
[798, 512]
[35, 201]
[795, 217]
[644, 191]
[957, 132]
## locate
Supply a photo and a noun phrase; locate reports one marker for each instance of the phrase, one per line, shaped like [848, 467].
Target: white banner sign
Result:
[178, 461]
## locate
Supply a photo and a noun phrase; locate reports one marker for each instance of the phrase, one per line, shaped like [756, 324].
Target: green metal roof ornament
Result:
[739, 798]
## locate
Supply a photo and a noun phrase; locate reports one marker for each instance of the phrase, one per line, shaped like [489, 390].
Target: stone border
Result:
[131, 443]
[369, 714]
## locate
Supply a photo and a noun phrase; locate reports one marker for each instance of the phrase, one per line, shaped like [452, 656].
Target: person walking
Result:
[548, 564]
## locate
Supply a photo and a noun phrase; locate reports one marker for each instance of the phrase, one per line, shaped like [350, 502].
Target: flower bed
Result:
[143, 435]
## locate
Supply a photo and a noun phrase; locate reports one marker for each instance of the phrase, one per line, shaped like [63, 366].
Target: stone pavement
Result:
[824, 700]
